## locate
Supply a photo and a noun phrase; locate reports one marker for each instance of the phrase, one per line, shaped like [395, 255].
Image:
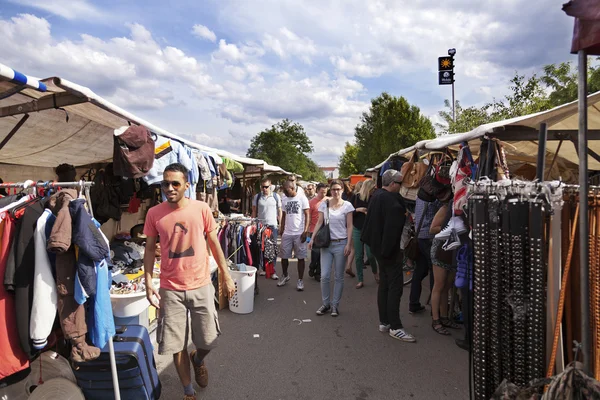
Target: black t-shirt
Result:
[358, 218]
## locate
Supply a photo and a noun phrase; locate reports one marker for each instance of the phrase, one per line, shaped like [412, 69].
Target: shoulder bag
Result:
[412, 172]
[323, 237]
[412, 247]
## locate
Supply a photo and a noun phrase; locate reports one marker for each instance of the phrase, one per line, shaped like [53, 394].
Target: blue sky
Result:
[218, 72]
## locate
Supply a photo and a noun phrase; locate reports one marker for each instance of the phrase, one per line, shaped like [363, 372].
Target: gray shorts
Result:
[174, 325]
[292, 242]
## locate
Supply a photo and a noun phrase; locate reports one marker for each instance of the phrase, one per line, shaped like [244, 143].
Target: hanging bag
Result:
[412, 247]
[322, 239]
[412, 172]
[428, 186]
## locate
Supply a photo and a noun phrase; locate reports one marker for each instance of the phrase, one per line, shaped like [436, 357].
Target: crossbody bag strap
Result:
[327, 218]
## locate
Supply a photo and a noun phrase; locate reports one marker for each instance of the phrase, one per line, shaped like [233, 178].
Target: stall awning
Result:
[522, 132]
[55, 121]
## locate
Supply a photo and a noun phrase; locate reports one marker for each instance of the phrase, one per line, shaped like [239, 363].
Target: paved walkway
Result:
[335, 358]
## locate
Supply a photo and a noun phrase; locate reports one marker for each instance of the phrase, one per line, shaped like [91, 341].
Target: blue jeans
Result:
[333, 257]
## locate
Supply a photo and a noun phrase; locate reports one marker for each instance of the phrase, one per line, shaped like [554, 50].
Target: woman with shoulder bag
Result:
[443, 274]
[337, 214]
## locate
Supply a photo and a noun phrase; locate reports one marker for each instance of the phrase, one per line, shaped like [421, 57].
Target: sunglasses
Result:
[266, 187]
[166, 184]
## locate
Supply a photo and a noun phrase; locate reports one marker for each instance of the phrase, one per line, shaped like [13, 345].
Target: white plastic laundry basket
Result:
[242, 301]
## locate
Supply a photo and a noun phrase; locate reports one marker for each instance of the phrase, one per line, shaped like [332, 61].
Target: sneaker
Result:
[453, 242]
[200, 371]
[455, 223]
[283, 280]
[300, 285]
[323, 310]
[400, 334]
[262, 272]
[384, 327]
[274, 277]
[334, 311]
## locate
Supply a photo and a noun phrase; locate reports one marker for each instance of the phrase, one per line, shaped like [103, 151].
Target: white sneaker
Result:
[384, 328]
[400, 334]
[262, 272]
[455, 223]
[283, 280]
[274, 277]
[300, 285]
[453, 242]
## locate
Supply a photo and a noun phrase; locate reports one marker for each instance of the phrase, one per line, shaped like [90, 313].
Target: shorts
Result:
[292, 242]
[435, 245]
[173, 329]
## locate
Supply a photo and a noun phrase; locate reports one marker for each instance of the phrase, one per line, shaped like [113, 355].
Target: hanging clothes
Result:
[12, 357]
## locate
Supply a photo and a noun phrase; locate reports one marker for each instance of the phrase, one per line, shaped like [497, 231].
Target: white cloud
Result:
[227, 52]
[288, 44]
[203, 32]
[68, 9]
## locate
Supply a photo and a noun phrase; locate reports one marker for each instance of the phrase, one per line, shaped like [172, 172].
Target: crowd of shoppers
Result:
[367, 227]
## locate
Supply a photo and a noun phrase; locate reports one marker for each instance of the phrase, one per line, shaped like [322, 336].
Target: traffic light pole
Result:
[453, 103]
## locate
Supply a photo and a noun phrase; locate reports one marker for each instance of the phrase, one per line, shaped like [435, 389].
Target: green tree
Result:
[286, 145]
[466, 118]
[349, 160]
[390, 124]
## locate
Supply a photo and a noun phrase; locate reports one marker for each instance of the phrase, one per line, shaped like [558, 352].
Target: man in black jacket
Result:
[382, 231]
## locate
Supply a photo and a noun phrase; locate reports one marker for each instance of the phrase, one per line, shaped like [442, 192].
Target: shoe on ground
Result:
[417, 310]
[274, 277]
[311, 272]
[300, 285]
[463, 344]
[334, 311]
[323, 310]
[283, 280]
[262, 272]
[401, 334]
[384, 327]
[200, 371]
[318, 278]
[189, 396]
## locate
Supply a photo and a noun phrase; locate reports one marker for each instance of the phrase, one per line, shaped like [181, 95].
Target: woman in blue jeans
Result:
[339, 214]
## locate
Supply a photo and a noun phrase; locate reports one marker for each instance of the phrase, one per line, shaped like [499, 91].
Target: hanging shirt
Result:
[166, 152]
[12, 358]
[45, 298]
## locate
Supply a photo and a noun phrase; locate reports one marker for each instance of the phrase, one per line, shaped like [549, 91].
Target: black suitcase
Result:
[136, 368]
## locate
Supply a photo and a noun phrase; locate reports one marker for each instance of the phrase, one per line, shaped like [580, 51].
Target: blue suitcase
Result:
[136, 368]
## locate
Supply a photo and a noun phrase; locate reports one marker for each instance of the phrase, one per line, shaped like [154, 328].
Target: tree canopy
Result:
[390, 124]
[286, 145]
[556, 85]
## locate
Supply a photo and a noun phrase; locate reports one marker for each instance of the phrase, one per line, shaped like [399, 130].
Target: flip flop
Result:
[349, 272]
[359, 285]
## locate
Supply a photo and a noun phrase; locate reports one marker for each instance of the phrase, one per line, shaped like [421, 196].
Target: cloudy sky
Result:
[219, 71]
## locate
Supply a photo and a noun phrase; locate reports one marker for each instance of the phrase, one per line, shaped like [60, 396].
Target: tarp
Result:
[519, 132]
[67, 123]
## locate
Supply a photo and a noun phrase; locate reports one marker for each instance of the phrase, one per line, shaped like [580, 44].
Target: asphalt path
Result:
[343, 357]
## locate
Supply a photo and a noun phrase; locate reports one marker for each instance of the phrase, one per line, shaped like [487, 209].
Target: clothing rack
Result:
[86, 187]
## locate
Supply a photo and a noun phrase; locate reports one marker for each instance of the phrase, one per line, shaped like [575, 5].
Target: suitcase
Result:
[136, 368]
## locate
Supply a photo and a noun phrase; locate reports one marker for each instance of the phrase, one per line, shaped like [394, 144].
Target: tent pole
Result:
[584, 255]
[541, 151]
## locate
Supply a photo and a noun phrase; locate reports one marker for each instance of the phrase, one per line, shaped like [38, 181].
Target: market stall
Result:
[54, 122]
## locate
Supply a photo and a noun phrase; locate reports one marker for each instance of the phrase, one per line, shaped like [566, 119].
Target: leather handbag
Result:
[322, 239]
[411, 251]
[412, 172]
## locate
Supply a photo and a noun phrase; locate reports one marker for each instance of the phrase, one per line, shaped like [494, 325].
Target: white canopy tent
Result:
[67, 123]
[521, 135]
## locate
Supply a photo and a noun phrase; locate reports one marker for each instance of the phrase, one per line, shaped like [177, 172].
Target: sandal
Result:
[349, 272]
[359, 285]
[437, 326]
[448, 323]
